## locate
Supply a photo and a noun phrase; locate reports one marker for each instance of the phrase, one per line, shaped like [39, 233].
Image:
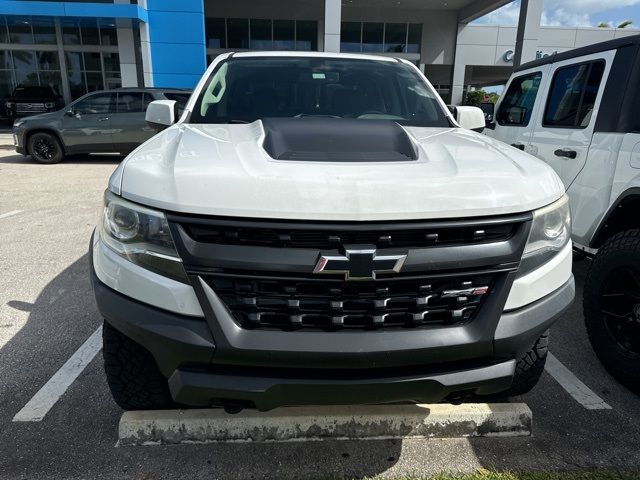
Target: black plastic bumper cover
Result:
[179, 342]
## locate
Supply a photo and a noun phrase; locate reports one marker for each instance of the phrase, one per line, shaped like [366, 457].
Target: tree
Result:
[625, 24]
[474, 98]
[604, 25]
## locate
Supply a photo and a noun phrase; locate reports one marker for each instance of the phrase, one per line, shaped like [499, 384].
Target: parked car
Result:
[107, 121]
[578, 111]
[29, 99]
[318, 228]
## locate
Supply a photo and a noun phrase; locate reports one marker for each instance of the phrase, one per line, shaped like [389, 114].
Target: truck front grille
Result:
[30, 107]
[304, 303]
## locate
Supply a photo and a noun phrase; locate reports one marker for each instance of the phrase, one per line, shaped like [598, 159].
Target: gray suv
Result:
[108, 121]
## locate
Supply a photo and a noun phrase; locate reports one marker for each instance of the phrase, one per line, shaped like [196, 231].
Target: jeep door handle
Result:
[519, 146]
[565, 152]
[103, 119]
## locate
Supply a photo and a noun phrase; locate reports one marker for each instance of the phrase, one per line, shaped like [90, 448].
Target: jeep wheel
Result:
[45, 148]
[530, 367]
[132, 374]
[611, 304]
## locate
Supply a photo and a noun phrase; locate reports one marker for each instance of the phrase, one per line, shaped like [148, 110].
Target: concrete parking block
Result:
[327, 422]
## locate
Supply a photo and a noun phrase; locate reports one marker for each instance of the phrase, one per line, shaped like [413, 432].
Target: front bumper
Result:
[275, 369]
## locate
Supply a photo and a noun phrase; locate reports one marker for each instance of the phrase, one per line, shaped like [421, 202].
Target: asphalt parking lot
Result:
[582, 418]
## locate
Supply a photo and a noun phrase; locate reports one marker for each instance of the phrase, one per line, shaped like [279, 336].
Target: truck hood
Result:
[224, 170]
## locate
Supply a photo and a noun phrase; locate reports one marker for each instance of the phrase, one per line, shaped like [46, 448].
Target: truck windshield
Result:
[243, 90]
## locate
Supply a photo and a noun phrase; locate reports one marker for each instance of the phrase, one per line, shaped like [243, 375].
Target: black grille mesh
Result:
[334, 304]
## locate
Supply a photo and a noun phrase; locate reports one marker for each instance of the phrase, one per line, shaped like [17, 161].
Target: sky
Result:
[571, 13]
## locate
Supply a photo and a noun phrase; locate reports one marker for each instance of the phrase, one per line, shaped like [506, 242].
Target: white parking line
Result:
[10, 214]
[578, 390]
[48, 395]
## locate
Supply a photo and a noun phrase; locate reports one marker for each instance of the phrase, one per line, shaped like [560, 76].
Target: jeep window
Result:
[246, 89]
[572, 95]
[96, 103]
[517, 105]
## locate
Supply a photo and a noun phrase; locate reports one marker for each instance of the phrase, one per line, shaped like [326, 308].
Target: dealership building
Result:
[82, 46]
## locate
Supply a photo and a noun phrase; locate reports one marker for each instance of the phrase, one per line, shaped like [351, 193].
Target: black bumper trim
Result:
[518, 329]
[172, 339]
[203, 389]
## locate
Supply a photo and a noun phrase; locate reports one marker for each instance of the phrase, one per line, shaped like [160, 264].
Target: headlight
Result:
[140, 235]
[550, 232]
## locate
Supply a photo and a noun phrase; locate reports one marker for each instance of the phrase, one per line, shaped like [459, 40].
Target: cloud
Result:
[571, 13]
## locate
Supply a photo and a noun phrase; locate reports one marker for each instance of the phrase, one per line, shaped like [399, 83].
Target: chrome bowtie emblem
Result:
[359, 264]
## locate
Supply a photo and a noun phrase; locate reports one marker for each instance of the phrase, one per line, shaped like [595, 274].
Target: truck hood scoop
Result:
[226, 170]
[337, 140]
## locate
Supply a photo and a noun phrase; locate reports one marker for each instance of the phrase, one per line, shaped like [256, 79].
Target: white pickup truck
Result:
[579, 111]
[317, 229]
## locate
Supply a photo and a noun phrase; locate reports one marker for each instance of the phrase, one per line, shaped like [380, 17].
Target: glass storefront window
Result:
[395, 37]
[260, 33]
[52, 79]
[414, 38]
[20, 30]
[350, 36]
[70, 33]
[44, 31]
[108, 33]
[372, 37]
[306, 35]
[25, 67]
[89, 32]
[5, 60]
[216, 35]
[94, 81]
[4, 35]
[6, 83]
[111, 62]
[284, 34]
[48, 60]
[238, 32]
[92, 61]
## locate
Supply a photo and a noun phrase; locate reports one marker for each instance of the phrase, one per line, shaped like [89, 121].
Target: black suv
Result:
[29, 100]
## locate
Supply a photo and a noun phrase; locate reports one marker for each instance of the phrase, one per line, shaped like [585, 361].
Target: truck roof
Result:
[614, 44]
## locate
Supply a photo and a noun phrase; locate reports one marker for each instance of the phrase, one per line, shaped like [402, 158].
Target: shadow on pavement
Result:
[80, 431]
[72, 159]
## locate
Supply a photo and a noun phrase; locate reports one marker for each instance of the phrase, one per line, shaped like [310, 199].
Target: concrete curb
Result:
[327, 422]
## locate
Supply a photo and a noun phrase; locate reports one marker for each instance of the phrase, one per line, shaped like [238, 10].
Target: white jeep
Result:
[318, 229]
[579, 111]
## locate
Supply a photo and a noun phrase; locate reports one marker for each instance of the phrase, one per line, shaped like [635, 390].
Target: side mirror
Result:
[70, 112]
[161, 113]
[470, 118]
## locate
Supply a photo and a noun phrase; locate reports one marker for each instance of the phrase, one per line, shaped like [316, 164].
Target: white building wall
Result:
[493, 45]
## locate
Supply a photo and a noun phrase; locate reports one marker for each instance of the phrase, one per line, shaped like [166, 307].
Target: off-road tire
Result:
[45, 147]
[132, 374]
[530, 367]
[623, 249]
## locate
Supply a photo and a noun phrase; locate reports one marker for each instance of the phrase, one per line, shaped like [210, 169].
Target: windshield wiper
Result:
[301, 115]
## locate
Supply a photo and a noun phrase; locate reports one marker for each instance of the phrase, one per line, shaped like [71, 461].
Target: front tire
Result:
[611, 304]
[45, 148]
[133, 376]
[530, 367]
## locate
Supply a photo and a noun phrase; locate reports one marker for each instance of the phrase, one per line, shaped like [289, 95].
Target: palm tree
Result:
[604, 25]
[625, 24]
